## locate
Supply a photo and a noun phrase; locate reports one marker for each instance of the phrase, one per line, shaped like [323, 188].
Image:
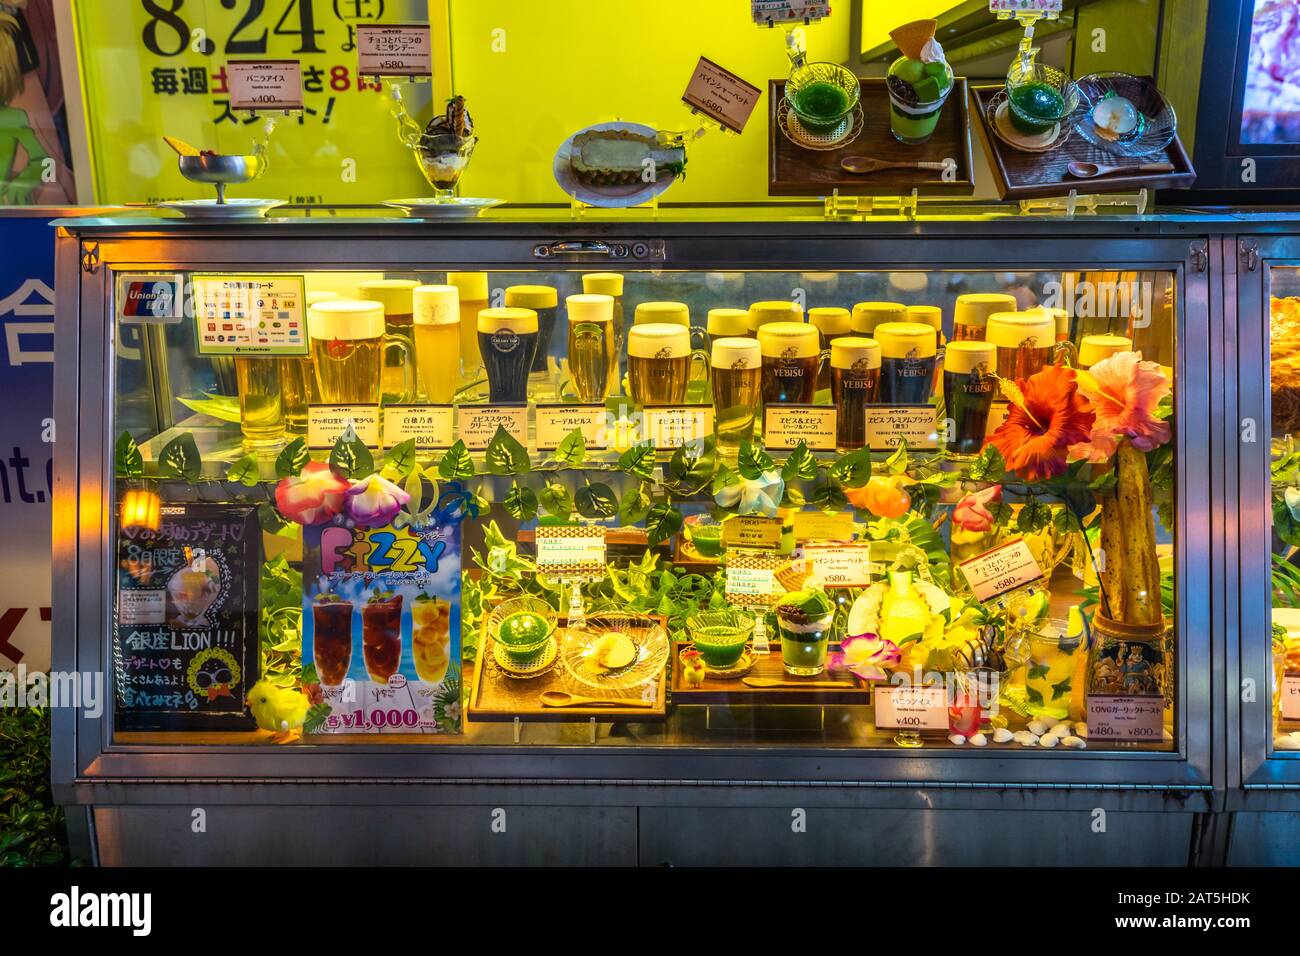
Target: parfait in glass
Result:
[919, 82]
[805, 619]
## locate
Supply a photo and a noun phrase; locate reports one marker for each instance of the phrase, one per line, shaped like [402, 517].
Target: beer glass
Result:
[737, 392]
[662, 313]
[331, 638]
[1024, 340]
[593, 360]
[1097, 348]
[544, 301]
[297, 380]
[347, 344]
[397, 377]
[381, 636]
[727, 324]
[437, 340]
[968, 391]
[971, 313]
[855, 383]
[611, 284]
[772, 310]
[472, 291]
[907, 361]
[792, 360]
[930, 315]
[868, 315]
[261, 414]
[507, 340]
[831, 323]
[659, 359]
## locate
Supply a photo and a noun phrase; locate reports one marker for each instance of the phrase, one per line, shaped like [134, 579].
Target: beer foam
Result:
[867, 315]
[848, 351]
[831, 320]
[930, 315]
[1095, 348]
[602, 283]
[662, 313]
[906, 340]
[590, 307]
[436, 305]
[773, 310]
[345, 319]
[737, 353]
[658, 340]
[531, 297]
[1013, 330]
[789, 340]
[974, 308]
[509, 318]
[728, 322]
[393, 294]
[965, 357]
[472, 286]
[1059, 316]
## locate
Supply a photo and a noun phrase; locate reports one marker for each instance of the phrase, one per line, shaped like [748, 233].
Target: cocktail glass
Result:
[332, 639]
[381, 636]
[431, 639]
[1050, 669]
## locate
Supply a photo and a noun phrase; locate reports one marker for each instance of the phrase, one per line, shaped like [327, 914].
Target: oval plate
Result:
[230, 209]
[466, 207]
[609, 197]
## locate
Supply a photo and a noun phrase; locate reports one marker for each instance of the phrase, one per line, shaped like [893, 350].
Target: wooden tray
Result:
[736, 691]
[496, 697]
[795, 171]
[1022, 175]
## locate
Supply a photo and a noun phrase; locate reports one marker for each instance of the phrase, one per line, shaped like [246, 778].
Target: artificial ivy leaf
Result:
[1034, 516]
[691, 467]
[753, 462]
[505, 456]
[897, 462]
[1104, 484]
[662, 522]
[270, 520]
[350, 457]
[400, 459]
[127, 460]
[852, 470]
[479, 505]
[989, 466]
[573, 449]
[556, 499]
[180, 458]
[293, 459]
[1064, 522]
[244, 471]
[828, 495]
[724, 477]
[456, 464]
[635, 504]
[638, 461]
[800, 464]
[596, 501]
[521, 502]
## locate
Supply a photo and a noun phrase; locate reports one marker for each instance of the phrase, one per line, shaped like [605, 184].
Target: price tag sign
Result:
[479, 423]
[785, 426]
[847, 566]
[820, 526]
[325, 423]
[432, 426]
[1125, 718]
[571, 550]
[669, 427]
[749, 582]
[908, 707]
[250, 315]
[394, 50]
[555, 422]
[752, 531]
[915, 424]
[721, 95]
[264, 84]
[786, 11]
[1291, 697]
[1020, 7]
[1000, 570]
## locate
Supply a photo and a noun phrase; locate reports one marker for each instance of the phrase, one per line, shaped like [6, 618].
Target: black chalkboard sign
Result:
[185, 639]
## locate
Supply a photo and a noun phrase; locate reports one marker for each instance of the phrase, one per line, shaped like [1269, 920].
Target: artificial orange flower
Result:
[1039, 430]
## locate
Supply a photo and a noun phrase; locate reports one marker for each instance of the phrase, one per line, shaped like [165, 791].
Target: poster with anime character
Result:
[35, 165]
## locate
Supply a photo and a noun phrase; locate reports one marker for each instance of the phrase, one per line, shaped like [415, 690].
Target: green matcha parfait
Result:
[919, 82]
[805, 620]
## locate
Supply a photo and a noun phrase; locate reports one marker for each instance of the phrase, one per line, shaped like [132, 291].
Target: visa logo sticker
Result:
[147, 299]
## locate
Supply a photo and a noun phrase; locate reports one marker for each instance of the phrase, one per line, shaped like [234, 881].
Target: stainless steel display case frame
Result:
[90, 769]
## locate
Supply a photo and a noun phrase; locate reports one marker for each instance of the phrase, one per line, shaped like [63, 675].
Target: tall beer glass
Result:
[792, 359]
[544, 301]
[1024, 340]
[907, 361]
[831, 323]
[968, 392]
[437, 340]
[297, 380]
[261, 414]
[397, 378]
[472, 290]
[347, 343]
[593, 359]
[737, 392]
[868, 315]
[611, 284]
[1097, 348]
[772, 310]
[971, 313]
[855, 384]
[507, 340]
[727, 324]
[659, 359]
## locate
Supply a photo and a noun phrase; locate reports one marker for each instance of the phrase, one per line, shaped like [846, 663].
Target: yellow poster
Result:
[155, 67]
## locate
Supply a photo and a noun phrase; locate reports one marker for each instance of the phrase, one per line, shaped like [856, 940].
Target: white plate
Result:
[458, 207]
[230, 209]
[610, 197]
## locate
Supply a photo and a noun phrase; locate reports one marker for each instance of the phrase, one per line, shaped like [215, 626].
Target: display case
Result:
[686, 511]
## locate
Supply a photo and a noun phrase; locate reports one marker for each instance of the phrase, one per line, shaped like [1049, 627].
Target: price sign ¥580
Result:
[394, 50]
[721, 95]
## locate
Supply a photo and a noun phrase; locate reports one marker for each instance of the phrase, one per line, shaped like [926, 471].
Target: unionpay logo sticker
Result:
[152, 298]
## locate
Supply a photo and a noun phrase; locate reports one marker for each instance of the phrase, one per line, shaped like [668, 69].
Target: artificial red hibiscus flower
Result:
[1048, 418]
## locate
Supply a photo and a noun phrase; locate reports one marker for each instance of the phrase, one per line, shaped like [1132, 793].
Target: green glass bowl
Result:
[1039, 96]
[822, 95]
[720, 636]
[517, 648]
[704, 534]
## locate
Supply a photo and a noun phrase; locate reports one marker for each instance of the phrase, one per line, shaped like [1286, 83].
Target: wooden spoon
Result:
[1084, 170]
[774, 682]
[559, 698]
[866, 164]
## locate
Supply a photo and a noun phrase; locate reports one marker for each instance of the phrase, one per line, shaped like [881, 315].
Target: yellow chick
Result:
[693, 668]
[279, 710]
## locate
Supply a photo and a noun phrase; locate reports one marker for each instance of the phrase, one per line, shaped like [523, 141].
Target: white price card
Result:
[1291, 697]
[757, 582]
[431, 426]
[325, 423]
[785, 426]
[478, 424]
[843, 566]
[915, 424]
[264, 84]
[721, 95]
[556, 421]
[1000, 570]
[571, 549]
[787, 11]
[669, 427]
[909, 707]
[250, 314]
[394, 50]
[1115, 717]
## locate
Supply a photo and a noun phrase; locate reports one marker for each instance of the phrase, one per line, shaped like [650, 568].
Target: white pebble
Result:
[1074, 743]
[1026, 738]
[957, 739]
[1049, 740]
[1061, 730]
[1081, 730]
[1039, 727]
[1001, 735]
[978, 740]
[1289, 742]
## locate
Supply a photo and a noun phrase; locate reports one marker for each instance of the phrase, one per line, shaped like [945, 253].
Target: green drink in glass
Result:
[804, 619]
